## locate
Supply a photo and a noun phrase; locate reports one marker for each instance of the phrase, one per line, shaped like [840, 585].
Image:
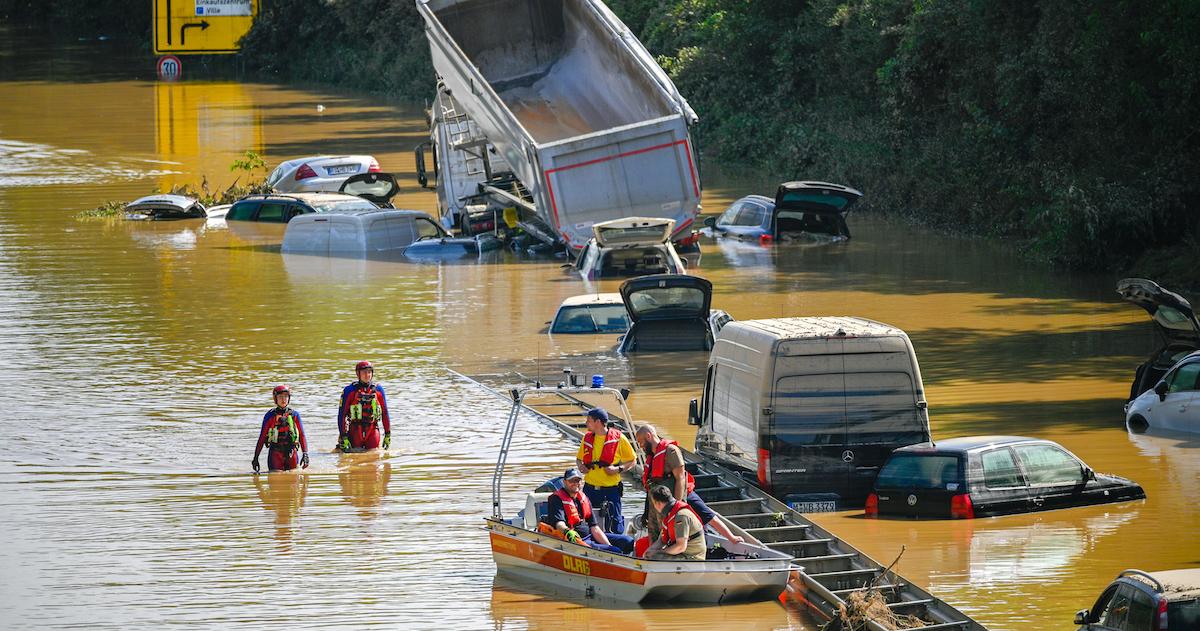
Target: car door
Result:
[1179, 408]
[1003, 489]
[1111, 610]
[272, 212]
[1055, 477]
[807, 431]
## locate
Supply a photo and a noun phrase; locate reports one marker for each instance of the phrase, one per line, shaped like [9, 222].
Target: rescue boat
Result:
[749, 571]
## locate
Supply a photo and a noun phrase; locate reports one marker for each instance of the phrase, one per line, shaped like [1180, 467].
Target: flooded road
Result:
[138, 359]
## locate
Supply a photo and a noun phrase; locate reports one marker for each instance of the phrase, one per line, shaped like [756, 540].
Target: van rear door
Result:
[806, 435]
[881, 415]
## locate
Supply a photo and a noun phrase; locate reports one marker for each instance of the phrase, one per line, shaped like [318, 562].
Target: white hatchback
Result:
[1173, 404]
[317, 174]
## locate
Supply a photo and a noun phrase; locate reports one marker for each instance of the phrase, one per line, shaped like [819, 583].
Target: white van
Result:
[372, 232]
[813, 406]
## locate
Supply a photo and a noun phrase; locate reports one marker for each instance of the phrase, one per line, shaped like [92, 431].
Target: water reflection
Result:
[283, 493]
[364, 481]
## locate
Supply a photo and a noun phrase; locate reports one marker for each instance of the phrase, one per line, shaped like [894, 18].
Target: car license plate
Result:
[342, 169]
[814, 507]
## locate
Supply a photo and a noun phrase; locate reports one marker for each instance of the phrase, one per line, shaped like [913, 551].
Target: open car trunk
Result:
[633, 232]
[813, 208]
[1176, 323]
[669, 313]
[377, 188]
[163, 207]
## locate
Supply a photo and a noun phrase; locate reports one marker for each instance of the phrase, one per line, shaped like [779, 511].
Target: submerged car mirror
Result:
[1160, 389]
[1088, 474]
[693, 413]
[711, 222]
[1081, 616]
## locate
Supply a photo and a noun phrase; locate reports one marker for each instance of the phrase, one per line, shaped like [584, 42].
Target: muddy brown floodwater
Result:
[137, 360]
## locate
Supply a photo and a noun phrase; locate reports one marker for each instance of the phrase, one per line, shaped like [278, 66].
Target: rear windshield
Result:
[911, 471]
[1184, 614]
[667, 302]
[799, 198]
[634, 262]
[591, 319]
[858, 408]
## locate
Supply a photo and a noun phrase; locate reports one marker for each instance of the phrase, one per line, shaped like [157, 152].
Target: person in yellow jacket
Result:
[604, 454]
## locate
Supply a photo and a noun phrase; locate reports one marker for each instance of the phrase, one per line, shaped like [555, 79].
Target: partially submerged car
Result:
[1176, 323]
[1146, 601]
[799, 210]
[670, 312]
[377, 232]
[591, 313]
[165, 207]
[984, 476]
[279, 208]
[316, 174]
[1173, 404]
[633, 246]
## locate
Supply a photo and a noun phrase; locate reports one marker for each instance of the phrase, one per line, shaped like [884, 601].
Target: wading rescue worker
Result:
[682, 536]
[363, 408]
[603, 455]
[569, 512]
[282, 433]
[665, 466]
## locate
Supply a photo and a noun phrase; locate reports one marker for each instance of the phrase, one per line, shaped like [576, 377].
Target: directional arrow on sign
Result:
[202, 25]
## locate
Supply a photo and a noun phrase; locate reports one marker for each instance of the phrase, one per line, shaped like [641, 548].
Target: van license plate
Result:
[342, 169]
[814, 507]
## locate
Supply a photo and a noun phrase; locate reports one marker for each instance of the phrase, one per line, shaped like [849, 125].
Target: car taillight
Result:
[872, 507]
[305, 172]
[764, 468]
[961, 507]
[374, 168]
[765, 239]
[1161, 616]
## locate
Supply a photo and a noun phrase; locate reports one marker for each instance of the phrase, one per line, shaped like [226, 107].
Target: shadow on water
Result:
[1024, 417]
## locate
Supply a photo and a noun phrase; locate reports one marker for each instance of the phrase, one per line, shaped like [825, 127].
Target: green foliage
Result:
[248, 164]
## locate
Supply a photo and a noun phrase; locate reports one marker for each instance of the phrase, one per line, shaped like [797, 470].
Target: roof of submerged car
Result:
[1179, 584]
[967, 443]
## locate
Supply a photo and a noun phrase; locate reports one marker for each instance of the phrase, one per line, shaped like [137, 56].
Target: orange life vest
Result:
[657, 471]
[572, 511]
[608, 453]
[668, 529]
[282, 433]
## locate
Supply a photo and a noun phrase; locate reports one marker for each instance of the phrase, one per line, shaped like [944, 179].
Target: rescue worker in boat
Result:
[665, 466]
[362, 410]
[682, 536]
[569, 512]
[282, 433]
[604, 454]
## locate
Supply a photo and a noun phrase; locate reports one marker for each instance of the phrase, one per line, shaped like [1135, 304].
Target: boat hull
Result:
[537, 557]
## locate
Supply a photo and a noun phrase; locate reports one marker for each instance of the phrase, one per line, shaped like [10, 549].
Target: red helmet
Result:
[363, 364]
[282, 388]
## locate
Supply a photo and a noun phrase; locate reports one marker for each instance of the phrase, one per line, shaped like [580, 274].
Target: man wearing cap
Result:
[569, 512]
[603, 455]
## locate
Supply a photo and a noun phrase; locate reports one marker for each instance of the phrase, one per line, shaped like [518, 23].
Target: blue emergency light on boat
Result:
[597, 381]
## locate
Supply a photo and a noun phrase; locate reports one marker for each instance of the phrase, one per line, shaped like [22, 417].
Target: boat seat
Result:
[535, 509]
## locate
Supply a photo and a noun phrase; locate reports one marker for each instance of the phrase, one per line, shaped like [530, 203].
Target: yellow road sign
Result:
[193, 27]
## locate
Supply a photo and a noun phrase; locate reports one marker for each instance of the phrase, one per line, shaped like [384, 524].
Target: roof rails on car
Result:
[1158, 587]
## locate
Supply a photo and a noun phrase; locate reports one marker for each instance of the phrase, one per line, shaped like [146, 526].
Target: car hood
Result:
[666, 297]
[815, 197]
[377, 188]
[1171, 312]
[633, 231]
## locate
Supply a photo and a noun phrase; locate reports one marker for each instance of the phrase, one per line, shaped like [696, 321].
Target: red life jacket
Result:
[668, 528]
[608, 453]
[657, 471]
[282, 432]
[364, 406]
[572, 511]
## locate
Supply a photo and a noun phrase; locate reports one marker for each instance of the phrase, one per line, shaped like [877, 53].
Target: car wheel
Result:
[1137, 424]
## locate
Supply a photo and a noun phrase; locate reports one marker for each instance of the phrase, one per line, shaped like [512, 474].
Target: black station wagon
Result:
[982, 476]
[1146, 601]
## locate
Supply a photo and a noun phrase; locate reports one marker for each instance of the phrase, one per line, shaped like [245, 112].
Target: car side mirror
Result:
[711, 222]
[1081, 616]
[1160, 389]
[693, 413]
[1088, 474]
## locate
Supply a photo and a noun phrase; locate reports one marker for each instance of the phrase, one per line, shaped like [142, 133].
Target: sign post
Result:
[201, 27]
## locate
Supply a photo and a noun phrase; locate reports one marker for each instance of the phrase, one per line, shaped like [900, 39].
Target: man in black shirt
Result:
[569, 512]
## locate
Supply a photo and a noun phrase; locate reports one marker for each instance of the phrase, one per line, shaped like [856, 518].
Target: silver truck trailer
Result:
[553, 109]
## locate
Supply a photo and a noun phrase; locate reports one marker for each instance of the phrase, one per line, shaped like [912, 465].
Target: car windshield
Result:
[913, 471]
[591, 319]
[667, 302]
[343, 205]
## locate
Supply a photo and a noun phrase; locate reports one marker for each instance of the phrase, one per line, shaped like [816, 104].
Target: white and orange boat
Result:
[751, 571]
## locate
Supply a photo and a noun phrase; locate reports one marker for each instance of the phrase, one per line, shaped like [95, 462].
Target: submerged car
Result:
[670, 312]
[165, 207]
[1173, 404]
[377, 232]
[591, 313]
[633, 246]
[271, 208]
[800, 209]
[1146, 601]
[316, 174]
[984, 476]
[1176, 323]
